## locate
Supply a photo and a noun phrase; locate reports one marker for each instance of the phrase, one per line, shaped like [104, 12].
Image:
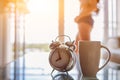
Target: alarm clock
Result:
[62, 56]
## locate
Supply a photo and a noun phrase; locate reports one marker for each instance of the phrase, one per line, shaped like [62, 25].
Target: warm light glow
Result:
[42, 21]
[43, 5]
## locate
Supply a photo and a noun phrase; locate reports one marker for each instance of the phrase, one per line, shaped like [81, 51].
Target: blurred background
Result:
[27, 27]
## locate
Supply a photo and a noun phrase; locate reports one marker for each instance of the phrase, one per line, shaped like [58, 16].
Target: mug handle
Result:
[108, 59]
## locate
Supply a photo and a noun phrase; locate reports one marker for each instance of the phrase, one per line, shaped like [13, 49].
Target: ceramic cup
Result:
[89, 57]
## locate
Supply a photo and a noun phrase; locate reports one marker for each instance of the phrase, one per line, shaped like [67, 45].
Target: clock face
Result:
[60, 58]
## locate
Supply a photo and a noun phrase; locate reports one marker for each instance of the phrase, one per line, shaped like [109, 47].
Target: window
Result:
[112, 18]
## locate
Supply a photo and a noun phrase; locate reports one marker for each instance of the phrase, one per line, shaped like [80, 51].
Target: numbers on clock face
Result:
[60, 58]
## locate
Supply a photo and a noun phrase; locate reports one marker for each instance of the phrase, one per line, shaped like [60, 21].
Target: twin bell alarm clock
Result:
[62, 56]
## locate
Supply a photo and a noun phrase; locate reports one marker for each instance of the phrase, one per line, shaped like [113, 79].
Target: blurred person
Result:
[85, 21]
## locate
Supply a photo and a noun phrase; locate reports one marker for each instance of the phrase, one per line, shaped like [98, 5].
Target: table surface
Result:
[40, 69]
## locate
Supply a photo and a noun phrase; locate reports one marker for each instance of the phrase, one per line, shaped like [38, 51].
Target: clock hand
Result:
[59, 57]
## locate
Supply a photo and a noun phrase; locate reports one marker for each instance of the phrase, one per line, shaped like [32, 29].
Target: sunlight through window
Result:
[42, 22]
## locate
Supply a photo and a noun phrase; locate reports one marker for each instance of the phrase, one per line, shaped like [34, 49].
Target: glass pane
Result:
[41, 29]
[34, 33]
[71, 11]
[42, 22]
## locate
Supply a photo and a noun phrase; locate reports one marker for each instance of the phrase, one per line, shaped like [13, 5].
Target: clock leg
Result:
[52, 73]
[67, 75]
